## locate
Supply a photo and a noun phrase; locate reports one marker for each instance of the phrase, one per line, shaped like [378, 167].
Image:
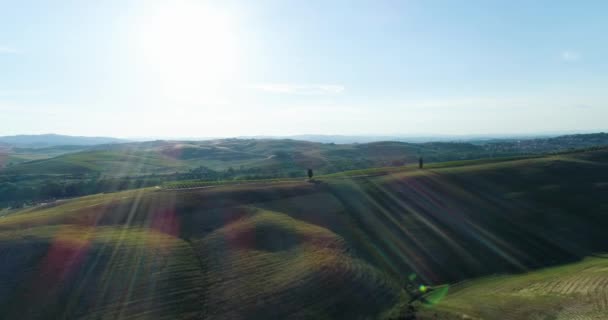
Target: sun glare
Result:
[188, 49]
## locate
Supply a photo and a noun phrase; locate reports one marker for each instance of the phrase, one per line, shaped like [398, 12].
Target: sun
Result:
[187, 48]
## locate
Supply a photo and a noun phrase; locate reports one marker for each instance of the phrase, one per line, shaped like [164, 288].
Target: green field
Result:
[574, 291]
[337, 248]
[29, 176]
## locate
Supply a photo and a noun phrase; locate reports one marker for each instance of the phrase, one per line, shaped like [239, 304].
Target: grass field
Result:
[72, 271]
[338, 248]
[574, 291]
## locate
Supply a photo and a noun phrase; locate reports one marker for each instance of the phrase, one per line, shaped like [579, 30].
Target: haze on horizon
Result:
[244, 68]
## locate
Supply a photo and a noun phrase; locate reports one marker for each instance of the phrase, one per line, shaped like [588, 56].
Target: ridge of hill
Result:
[52, 140]
[283, 157]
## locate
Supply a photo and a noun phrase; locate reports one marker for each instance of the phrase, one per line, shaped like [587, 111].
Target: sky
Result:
[130, 68]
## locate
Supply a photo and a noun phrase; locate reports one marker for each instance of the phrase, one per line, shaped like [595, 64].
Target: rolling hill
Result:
[271, 157]
[339, 248]
[51, 140]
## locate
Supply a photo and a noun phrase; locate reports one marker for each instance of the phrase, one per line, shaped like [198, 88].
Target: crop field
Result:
[262, 263]
[574, 291]
[71, 271]
[335, 248]
[272, 265]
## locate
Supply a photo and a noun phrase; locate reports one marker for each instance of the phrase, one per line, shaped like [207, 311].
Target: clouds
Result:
[299, 89]
[570, 56]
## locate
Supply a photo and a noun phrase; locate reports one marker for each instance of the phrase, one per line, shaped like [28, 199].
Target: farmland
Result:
[575, 291]
[33, 175]
[339, 247]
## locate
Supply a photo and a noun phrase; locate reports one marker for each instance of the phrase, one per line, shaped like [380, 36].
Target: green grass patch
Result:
[574, 291]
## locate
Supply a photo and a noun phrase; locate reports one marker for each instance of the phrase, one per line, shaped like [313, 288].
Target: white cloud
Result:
[303, 89]
[8, 50]
[570, 56]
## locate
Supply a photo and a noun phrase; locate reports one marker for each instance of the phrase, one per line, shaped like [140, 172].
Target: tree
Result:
[310, 174]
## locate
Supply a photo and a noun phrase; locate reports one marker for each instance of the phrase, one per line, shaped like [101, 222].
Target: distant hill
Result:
[542, 145]
[253, 158]
[271, 158]
[348, 139]
[49, 140]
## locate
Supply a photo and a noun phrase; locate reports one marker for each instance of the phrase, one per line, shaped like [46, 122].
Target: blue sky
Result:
[228, 68]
